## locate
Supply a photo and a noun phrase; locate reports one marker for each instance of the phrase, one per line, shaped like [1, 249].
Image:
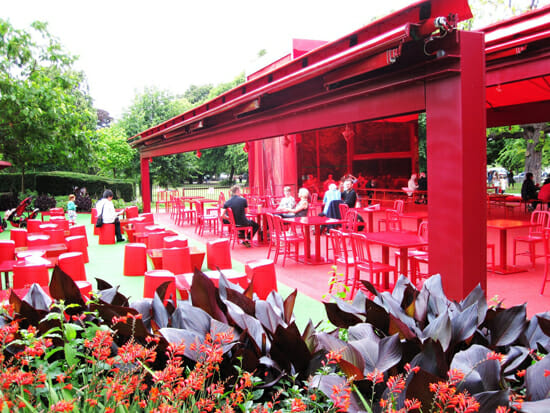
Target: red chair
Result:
[218, 254]
[205, 221]
[79, 230]
[540, 221]
[154, 278]
[162, 200]
[7, 259]
[177, 260]
[37, 240]
[546, 234]
[19, 236]
[135, 259]
[175, 241]
[398, 206]
[342, 255]
[363, 262]
[77, 243]
[25, 274]
[422, 233]
[343, 208]
[107, 234]
[284, 240]
[261, 273]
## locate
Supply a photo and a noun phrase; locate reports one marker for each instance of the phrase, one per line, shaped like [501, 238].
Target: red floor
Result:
[312, 280]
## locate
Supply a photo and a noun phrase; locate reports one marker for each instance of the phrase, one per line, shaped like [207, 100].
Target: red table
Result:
[316, 222]
[400, 240]
[503, 225]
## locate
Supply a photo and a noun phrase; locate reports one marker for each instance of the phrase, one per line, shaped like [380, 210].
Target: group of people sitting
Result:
[531, 192]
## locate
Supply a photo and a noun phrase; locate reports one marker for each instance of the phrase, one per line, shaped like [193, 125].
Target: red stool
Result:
[7, 259]
[57, 212]
[19, 236]
[47, 226]
[132, 212]
[57, 236]
[154, 278]
[107, 234]
[61, 222]
[155, 240]
[33, 225]
[148, 217]
[72, 264]
[94, 216]
[218, 254]
[77, 243]
[177, 260]
[232, 276]
[135, 259]
[262, 274]
[37, 240]
[175, 241]
[140, 226]
[25, 274]
[79, 230]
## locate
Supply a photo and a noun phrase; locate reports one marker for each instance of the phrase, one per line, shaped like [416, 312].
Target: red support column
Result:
[145, 185]
[456, 149]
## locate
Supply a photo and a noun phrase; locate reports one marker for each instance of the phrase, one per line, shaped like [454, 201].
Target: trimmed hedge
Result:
[64, 183]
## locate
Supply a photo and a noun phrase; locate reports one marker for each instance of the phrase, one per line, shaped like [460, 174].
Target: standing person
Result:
[71, 210]
[238, 206]
[529, 191]
[411, 185]
[511, 180]
[106, 209]
[503, 182]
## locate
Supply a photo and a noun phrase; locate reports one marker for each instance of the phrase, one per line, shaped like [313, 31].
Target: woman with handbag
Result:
[107, 214]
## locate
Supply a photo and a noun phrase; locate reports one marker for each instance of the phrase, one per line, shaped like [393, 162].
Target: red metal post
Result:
[145, 185]
[456, 149]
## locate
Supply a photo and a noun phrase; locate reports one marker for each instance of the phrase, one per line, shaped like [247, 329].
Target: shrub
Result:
[83, 203]
[44, 202]
[8, 201]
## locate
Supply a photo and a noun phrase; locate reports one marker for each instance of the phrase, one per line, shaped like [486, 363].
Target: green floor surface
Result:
[106, 262]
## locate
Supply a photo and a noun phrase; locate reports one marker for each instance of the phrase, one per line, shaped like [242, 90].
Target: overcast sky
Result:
[125, 46]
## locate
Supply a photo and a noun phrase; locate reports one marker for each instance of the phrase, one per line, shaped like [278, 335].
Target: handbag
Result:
[99, 221]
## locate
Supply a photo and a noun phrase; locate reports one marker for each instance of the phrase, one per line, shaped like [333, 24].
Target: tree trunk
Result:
[232, 173]
[533, 152]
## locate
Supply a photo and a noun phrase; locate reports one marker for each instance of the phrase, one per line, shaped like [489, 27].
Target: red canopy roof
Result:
[4, 164]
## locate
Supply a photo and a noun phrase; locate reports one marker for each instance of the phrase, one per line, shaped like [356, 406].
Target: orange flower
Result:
[298, 405]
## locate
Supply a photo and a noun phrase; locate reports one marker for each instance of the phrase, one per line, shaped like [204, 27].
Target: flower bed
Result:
[225, 351]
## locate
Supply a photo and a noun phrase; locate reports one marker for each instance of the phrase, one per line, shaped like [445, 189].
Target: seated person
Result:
[238, 205]
[411, 185]
[106, 210]
[327, 182]
[349, 197]
[544, 193]
[333, 194]
[288, 201]
[529, 190]
[301, 208]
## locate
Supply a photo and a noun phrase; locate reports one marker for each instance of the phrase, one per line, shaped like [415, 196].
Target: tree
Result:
[148, 109]
[112, 151]
[197, 94]
[46, 116]
[103, 118]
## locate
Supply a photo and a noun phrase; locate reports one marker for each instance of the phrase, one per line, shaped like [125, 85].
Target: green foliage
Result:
[197, 94]
[64, 183]
[112, 151]
[224, 87]
[46, 116]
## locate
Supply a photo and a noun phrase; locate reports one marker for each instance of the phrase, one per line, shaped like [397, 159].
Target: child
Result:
[71, 210]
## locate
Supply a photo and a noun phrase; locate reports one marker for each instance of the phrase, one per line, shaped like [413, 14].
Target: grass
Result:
[106, 262]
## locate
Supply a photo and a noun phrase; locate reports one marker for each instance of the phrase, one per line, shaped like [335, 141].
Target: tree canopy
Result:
[46, 115]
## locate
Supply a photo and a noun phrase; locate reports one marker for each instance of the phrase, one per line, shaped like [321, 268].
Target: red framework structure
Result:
[406, 63]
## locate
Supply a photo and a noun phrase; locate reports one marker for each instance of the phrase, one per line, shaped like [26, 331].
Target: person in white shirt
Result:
[106, 209]
[288, 201]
